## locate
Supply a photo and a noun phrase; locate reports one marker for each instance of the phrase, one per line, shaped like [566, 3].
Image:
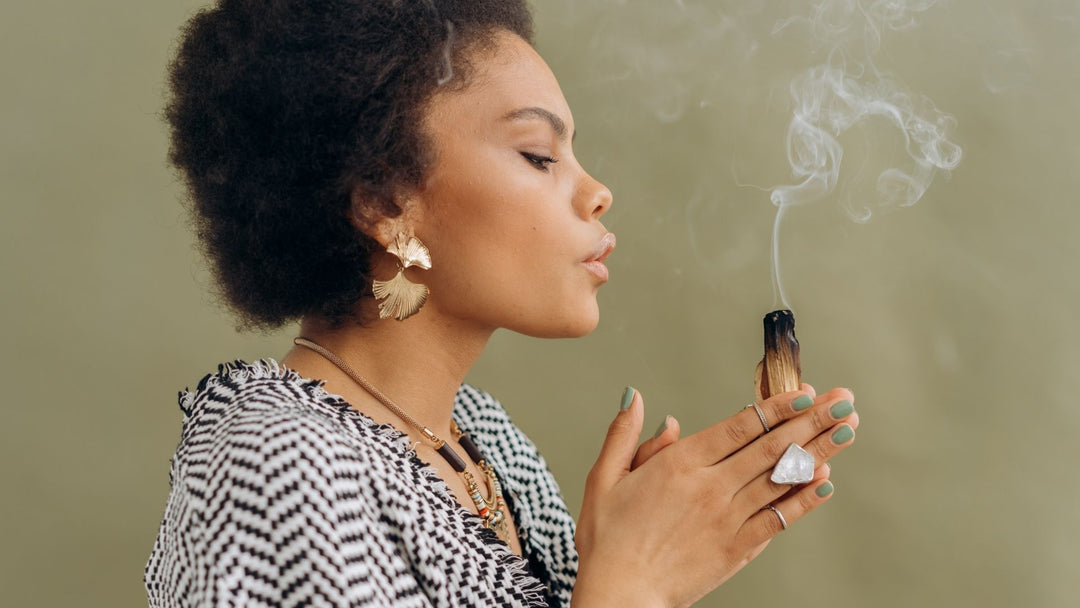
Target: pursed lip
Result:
[603, 249]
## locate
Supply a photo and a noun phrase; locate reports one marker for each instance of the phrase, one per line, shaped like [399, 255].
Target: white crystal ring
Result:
[783, 522]
[795, 466]
[760, 415]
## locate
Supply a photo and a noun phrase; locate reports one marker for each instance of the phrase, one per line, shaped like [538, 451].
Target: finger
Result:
[667, 434]
[619, 445]
[719, 441]
[762, 490]
[766, 524]
[785, 406]
[822, 472]
[830, 408]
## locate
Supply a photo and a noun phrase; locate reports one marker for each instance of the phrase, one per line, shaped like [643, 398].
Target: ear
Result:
[369, 217]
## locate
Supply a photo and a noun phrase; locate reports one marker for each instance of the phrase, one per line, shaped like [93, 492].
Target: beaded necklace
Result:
[491, 511]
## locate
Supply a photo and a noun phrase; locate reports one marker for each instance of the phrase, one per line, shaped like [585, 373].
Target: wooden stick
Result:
[779, 370]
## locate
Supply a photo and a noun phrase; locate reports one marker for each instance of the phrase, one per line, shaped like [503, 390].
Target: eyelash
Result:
[540, 162]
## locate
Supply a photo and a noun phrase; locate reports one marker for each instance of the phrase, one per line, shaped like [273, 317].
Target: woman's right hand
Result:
[678, 525]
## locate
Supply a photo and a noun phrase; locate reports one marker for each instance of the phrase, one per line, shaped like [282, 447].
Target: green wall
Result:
[953, 320]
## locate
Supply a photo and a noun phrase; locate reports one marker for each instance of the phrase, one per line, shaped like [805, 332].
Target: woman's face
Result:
[510, 216]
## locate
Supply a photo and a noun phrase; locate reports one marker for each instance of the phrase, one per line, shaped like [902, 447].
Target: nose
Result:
[594, 198]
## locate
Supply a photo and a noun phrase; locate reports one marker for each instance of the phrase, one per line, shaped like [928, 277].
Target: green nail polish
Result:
[801, 403]
[841, 410]
[627, 398]
[824, 489]
[843, 435]
[663, 427]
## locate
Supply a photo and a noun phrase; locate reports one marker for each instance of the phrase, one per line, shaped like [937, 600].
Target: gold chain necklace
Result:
[491, 511]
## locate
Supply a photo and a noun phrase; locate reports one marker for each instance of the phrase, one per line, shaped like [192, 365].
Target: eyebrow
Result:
[534, 112]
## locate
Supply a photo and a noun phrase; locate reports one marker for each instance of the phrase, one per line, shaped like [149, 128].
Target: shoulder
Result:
[251, 404]
[269, 465]
[505, 444]
[479, 413]
[473, 400]
[259, 438]
[262, 426]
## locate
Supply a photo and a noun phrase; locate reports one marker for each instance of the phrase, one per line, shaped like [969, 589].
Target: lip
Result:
[595, 262]
[603, 249]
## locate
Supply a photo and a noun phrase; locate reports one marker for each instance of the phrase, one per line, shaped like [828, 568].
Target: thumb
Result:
[617, 453]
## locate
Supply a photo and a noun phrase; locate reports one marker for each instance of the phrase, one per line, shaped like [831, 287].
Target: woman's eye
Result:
[540, 162]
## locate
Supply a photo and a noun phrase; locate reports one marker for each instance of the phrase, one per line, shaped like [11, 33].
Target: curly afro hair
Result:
[281, 109]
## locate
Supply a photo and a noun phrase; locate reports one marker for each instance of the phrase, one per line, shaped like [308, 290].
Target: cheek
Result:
[502, 268]
[502, 250]
[503, 233]
[475, 248]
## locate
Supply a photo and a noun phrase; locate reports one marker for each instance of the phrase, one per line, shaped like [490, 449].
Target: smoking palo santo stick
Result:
[779, 370]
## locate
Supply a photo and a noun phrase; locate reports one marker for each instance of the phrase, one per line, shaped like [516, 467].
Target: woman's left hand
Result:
[651, 447]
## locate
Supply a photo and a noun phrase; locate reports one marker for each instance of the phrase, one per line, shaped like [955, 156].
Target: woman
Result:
[399, 176]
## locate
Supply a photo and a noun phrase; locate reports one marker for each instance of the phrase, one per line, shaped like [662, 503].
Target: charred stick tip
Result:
[780, 370]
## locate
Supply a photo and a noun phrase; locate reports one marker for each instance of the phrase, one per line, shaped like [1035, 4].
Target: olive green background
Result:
[954, 321]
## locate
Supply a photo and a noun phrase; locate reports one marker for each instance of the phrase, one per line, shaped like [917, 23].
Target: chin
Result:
[565, 326]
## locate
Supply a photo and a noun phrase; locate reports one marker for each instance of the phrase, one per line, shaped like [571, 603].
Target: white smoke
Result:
[847, 90]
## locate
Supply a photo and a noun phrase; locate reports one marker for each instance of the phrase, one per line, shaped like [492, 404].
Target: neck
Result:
[419, 364]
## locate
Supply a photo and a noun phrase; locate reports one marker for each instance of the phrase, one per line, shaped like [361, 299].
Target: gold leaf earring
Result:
[399, 297]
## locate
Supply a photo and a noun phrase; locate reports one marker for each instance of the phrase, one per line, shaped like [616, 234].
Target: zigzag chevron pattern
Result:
[283, 495]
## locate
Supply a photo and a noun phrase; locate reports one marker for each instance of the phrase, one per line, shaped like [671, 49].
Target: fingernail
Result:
[824, 489]
[843, 435]
[841, 409]
[627, 398]
[663, 427]
[802, 402]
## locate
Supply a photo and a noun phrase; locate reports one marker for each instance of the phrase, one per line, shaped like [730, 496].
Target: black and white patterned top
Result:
[284, 495]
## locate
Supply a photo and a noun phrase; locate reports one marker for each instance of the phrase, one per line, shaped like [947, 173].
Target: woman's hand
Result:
[669, 434]
[652, 446]
[668, 524]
